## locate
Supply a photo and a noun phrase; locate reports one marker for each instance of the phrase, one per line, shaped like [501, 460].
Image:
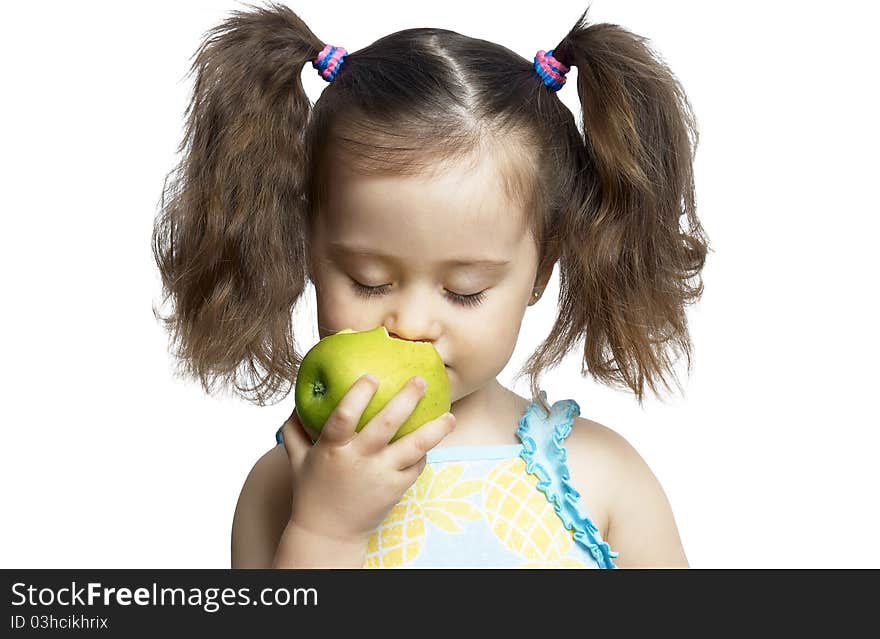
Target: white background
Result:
[769, 459]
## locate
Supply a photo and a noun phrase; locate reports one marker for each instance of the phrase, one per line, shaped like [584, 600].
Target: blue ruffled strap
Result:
[545, 454]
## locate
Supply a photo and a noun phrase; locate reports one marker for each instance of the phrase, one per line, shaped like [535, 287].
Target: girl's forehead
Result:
[463, 203]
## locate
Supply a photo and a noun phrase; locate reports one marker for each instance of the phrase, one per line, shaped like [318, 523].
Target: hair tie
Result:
[329, 61]
[551, 70]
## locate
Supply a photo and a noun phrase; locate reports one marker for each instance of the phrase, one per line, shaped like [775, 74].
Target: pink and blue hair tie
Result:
[551, 70]
[329, 61]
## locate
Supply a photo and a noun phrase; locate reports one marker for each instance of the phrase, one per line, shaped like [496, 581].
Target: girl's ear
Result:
[545, 270]
[310, 258]
[309, 247]
[551, 253]
[544, 273]
[310, 269]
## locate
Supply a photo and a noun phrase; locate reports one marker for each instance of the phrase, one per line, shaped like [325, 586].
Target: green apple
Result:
[336, 362]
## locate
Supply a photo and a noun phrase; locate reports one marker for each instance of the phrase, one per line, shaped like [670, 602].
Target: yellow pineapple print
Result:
[523, 520]
[437, 496]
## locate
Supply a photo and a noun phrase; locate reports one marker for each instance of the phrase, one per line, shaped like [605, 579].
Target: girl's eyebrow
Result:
[489, 264]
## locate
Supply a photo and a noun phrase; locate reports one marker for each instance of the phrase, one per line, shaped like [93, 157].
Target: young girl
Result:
[431, 190]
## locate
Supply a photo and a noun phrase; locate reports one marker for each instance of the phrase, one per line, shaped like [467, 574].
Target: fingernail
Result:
[450, 418]
[371, 378]
[420, 383]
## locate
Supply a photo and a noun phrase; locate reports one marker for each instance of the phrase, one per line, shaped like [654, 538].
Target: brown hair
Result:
[231, 238]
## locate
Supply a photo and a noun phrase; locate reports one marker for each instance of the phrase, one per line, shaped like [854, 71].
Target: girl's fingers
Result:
[411, 474]
[296, 441]
[342, 423]
[410, 448]
[381, 428]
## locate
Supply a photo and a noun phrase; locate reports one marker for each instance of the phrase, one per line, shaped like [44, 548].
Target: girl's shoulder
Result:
[598, 455]
[594, 456]
[623, 496]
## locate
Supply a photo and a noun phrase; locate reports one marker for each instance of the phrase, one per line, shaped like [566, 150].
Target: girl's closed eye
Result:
[473, 299]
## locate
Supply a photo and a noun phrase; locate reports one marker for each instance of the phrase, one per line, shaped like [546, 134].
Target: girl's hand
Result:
[346, 483]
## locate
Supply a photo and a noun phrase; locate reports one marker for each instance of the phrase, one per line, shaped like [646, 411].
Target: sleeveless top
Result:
[494, 506]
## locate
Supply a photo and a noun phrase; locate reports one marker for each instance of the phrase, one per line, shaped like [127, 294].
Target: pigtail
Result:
[229, 240]
[626, 261]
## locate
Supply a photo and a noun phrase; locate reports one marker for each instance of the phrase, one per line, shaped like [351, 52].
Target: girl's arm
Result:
[301, 548]
[263, 535]
[262, 511]
[641, 526]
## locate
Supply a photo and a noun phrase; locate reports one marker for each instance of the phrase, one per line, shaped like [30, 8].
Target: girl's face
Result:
[446, 259]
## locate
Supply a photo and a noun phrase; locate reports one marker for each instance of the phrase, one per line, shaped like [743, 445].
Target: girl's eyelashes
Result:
[464, 300]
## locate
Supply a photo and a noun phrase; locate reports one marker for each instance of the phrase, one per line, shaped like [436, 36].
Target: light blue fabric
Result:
[545, 457]
[468, 453]
[479, 506]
